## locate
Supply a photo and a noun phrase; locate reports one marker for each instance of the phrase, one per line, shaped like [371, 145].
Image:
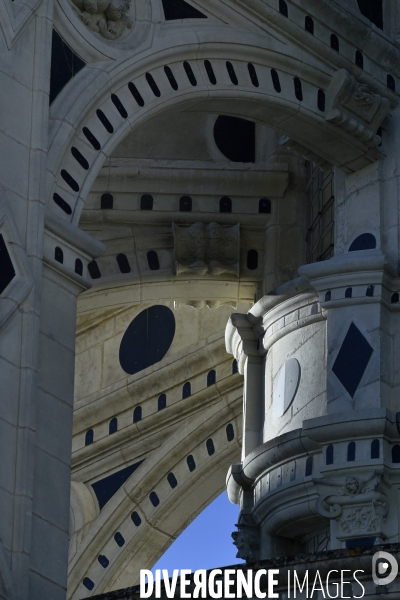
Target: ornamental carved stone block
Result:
[355, 107]
[247, 539]
[109, 18]
[201, 249]
[360, 507]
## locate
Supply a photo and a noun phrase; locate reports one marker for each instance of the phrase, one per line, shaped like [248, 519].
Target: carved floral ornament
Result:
[109, 18]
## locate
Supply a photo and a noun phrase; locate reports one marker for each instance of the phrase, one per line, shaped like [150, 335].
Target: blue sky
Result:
[207, 542]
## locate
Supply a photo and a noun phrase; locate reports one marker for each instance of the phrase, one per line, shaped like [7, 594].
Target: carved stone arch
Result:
[337, 141]
[163, 523]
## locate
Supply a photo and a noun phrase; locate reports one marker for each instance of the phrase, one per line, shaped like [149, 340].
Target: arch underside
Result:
[299, 120]
[163, 440]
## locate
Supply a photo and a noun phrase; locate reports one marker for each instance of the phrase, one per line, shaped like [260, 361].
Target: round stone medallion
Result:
[286, 386]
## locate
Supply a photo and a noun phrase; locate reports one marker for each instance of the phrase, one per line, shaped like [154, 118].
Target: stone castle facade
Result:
[168, 167]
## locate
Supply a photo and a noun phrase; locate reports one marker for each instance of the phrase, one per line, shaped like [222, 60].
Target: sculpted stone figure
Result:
[114, 18]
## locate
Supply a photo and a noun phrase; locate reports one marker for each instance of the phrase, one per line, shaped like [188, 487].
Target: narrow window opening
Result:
[395, 299]
[137, 414]
[107, 201]
[309, 25]
[119, 539]
[230, 432]
[375, 449]
[59, 255]
[154, 499]
[191, 463]
[136, 518]
[390, 82]
[309, 466]
[370, 291]
[351, 452]
[119, 106]
[298, 91]
[172, 480]
[186, 390]
[190, 74]
[171, 78]
[359, 59]
[252, 260]
[225, 205]
[211, 378]
[135, 93]
[321, 100]
[253, 75]
[91, 138]
[152, 259]
[334, 42]
[113, 426]
[153, 86]
[328, 296]
[162, 402]
[78, 156]
[78, 267]
[62, 204]
[210, 447]
[104, 121]
[123, 263]
[329, 455]
[185, 204]
[69, 180]
[94, 270]
[210, 72]
[348, 293]
[396, 454]
[231, 73]
[275, 81]
[103, 560]
[283, 8]
[89, 437]
[88, 583]
[146, 202]
[235, 368]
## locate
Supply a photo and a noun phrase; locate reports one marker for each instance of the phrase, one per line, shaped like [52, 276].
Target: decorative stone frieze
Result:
[355, 107]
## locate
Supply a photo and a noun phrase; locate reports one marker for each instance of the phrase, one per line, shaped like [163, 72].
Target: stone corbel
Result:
[223, 249]
[201, 249]
[241, 340]
[190, 249]
[355, 108]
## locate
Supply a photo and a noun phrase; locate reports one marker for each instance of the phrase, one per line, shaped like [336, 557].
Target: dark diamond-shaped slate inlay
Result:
[7, 271]
[352, 360]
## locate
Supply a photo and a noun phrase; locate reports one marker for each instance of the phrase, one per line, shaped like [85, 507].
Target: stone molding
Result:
[214, 178]
[357, 270]
[315, 434]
